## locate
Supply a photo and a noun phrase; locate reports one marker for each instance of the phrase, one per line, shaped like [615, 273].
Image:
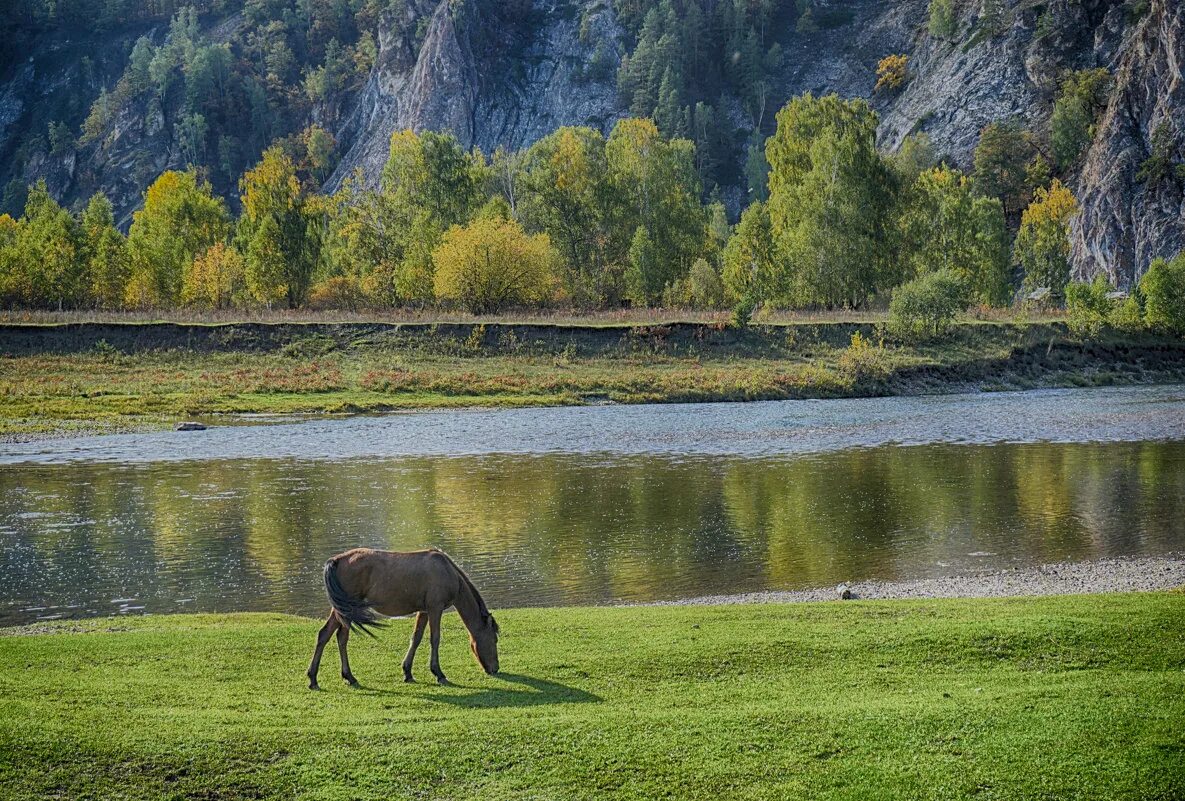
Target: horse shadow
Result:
[534, 692]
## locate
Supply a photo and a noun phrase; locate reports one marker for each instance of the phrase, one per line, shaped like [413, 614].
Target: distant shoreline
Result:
[1134, 574]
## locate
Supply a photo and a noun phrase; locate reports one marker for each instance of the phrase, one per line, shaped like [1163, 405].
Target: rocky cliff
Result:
[495, 82]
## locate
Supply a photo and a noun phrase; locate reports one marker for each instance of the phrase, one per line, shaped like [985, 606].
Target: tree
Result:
[1088, 306]
[47, 254]
[566, 193]
[656, 187]
[491, 264]
[1003, 152]
[1159, 164]
[993, 16]
[181, 219]
[892, 72]
[947, 227]
[1043, 242]
[106, 253]
[926, 306]
[287, 222]
[216, 279]
[830, 195]
[1072, 126]
[1163, 288]
[750, 271]
[943, 23]
[643, 273]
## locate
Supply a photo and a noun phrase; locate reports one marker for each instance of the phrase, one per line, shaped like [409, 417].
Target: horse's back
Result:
[398, 582]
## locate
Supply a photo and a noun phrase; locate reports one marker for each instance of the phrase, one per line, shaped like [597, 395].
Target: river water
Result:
[593, 504]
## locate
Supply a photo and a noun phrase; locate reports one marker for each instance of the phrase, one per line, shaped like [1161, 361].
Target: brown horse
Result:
[364, 583]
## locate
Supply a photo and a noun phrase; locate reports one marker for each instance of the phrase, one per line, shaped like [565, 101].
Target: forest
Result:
[577, 220]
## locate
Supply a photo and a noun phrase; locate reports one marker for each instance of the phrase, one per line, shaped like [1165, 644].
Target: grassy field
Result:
[97, 376]
[1071, 697]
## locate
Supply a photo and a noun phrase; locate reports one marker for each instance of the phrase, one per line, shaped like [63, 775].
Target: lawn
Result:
[1071, 697]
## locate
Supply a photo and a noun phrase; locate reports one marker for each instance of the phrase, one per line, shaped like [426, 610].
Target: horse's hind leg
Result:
[416, 635]
[323, 636]
[343, 637]
[434, 639]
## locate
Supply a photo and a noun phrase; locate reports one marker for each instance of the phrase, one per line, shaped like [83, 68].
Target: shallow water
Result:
[593, 505]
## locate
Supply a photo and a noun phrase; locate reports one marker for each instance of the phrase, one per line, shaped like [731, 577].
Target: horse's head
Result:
[484, 644]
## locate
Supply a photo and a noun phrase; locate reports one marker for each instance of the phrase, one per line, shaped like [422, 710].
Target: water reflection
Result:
[236, 534]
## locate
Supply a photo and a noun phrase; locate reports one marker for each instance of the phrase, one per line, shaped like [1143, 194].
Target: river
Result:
[593, 504]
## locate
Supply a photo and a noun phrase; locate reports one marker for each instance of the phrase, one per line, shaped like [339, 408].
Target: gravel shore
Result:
[1142, 574]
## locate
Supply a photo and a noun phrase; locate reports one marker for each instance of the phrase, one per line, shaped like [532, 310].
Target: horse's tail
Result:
[353, 612]
[481, 602]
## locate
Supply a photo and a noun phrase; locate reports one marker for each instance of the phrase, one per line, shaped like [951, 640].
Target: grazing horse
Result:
[364, 583]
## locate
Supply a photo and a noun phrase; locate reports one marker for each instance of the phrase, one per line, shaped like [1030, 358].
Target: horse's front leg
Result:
[343, 637]
[323, 636]
[416, 635]
[434, 639]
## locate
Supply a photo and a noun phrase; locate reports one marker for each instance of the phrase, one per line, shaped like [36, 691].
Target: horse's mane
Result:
[481, 602]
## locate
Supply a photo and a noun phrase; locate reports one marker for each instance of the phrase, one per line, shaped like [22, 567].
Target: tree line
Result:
[577, 219]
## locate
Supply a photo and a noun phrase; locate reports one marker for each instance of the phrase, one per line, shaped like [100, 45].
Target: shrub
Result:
[943, 24]
[861, 361]
[491, 264]
[1163, 288]
[926, 306]
[1088, 306]
[892, 72]
[340, 292]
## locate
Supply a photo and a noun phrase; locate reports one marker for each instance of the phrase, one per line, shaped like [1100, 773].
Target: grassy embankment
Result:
[1070, 697]
[105, 376]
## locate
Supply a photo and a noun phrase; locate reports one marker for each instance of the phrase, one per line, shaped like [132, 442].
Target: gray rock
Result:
[190, 425]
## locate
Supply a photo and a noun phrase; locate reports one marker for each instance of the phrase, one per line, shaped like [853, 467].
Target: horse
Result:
[364, 583]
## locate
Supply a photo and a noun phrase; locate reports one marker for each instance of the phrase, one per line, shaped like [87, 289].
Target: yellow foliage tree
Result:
[215, 279]
[891, 72]
[491, 263]
[1043, 242]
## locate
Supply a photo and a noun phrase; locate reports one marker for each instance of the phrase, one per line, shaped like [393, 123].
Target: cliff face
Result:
[1126, 222]
[525, 82]
[503, 78]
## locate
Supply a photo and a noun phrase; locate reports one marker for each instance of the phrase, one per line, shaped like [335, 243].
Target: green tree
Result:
[943, 23]
[1043, 242]
[1003, 152]
[947, 227]
[830, 195]
[750, 269]
[106, 253]
[1088, 306]
[180, 219]
[1082, 95]
[49, 259]
[1163, 288]
[656, 183]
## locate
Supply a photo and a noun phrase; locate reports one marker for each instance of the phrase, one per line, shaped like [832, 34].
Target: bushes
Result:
[1163, 288]
[926, 306]
[491, 264]
[891, 72]
[1088, 306]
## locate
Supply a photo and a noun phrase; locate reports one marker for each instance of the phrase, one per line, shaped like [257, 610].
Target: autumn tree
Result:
[45, 259]
[491, 263]
[180, 219]
[892, 72]
[1043, 242]
[216, 279]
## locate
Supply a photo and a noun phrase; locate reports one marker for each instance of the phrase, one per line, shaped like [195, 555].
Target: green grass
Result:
[1072, 697]
[112, 377]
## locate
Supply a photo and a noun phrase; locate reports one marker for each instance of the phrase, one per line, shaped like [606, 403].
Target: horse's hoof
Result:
[408, 679]
[442, 681]
[350, 680]
[314, 685]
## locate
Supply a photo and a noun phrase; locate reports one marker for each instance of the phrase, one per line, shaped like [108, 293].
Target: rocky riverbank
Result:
[1142, 574]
